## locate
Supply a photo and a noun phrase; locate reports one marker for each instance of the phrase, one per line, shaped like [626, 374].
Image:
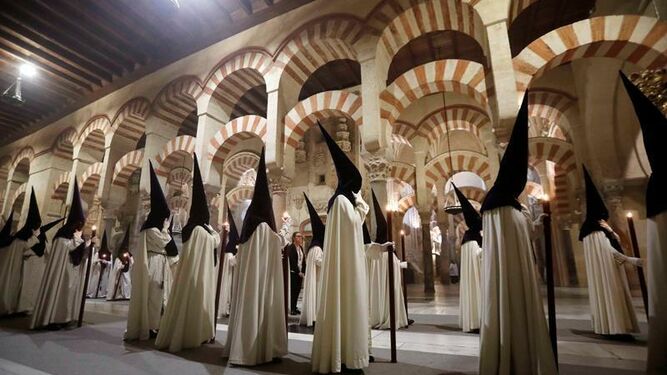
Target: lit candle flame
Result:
[402, 232]
[629, 214]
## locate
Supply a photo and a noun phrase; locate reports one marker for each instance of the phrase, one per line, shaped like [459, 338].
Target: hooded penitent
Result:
[233, 240]
[349, 178]
[199, 215]
[261, 208]
[472, 218]
[40, 246]
[123, 252]
[381, 231]
[159, 207]
[512, 175]
[32, 222]
[76, 217]
[5, 234]
[595, 211]
[104, 252]
[316, 225]
[171, 248]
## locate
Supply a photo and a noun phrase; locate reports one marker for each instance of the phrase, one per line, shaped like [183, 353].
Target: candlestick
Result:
[635, 252]
[551, 298]
[222, 262]
[403, 285]
[392, 292]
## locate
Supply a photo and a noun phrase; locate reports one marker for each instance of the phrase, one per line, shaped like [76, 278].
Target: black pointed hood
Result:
[171, 248]
[104, 252]
[76, 218]
[33, 220]
[367, 235]
[512, 174]
[159, 208]
[381, 230]
[40, 246]
[472, 218]
[5, 234]
[595, 208]
[233, 238]
[261, 208]
[654, 132]
[199, 215]
[349, 178]
[315, 224]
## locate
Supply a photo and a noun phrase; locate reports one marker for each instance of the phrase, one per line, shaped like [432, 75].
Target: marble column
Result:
[429, 283]
[278, 185]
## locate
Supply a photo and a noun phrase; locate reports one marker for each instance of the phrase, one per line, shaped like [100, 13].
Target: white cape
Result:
[189, 319]
[257, 332]
[11, 274]
[611, 303]
[378, 288]
[151, 284]
[657, 289]
[342, 329]
[124, 289]
[311, 287]
[59, 297]
[514, 335]
[470, 293]
[226, 284]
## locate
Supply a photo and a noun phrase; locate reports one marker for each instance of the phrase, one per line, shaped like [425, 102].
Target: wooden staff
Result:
[115, 289]
[392, 292]
[640, 270]
[286, 285]
[222, 263]
[551, 297]
[85, 282]
[403, 285]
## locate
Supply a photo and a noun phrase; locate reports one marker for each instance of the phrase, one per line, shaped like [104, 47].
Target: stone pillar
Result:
[429, 285]
[207, 126]
[278, 185]
[504, 82]
[376, 136]
[275, 130]
[378, 171]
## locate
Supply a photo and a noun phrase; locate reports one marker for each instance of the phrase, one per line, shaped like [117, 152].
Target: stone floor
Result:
[433, 345]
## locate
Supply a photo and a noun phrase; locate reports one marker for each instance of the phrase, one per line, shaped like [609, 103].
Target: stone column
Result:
[378, 171]
[207, 126]
[429, 285]
[275, 130]
[500, 55]
[278, 185]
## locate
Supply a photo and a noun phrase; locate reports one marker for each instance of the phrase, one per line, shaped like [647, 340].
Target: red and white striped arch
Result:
[172, 153]
[5, 163]
[317, 107]
[439, 167]
[129, 121]
[63, 147]
[459, 76]
[552, 149]
[239, 163]
[403, 172]
[90, 178]
[238, 130]
[61, 186]
[238, 195]
[458, 117]
[430, 16]
[125, 166]
[635, 39]
[177, 100]
[92, 136]
[534, 189]
[26, 153]
[405, 203]
[561, 189]
[317, 43]
[473, 193]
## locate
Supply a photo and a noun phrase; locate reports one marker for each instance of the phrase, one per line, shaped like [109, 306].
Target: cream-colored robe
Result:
[257, 332]
[608, 290]
[311, 287]
[514, 336]
[656, 267]
[470, 293]
[124, 290]
[226, 284]
[151, 284]
[378, 288]
[59, 297]
[189, 319]
[11, 274]
[341, 333]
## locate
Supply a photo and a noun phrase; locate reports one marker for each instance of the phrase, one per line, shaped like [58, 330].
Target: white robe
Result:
[59, 297]
[257, 332]
[470, 293]
[11, 274]
[151, 284]
[656, 265]
[608, 290]
[124, 290]
[226, 284]
[189, 319]
[311, 287]
[33, 271]
[96, 284]
[378, 288]
[514, 335]
[341, 333]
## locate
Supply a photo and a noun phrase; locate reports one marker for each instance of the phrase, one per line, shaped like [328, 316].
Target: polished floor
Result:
[433, 345]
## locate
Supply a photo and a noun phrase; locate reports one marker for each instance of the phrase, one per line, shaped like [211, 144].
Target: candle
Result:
[635, 252]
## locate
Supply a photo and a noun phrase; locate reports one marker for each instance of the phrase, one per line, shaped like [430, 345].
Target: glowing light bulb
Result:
[28, 70]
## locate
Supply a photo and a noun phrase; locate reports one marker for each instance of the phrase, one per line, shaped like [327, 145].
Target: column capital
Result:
[278, 183]
[379, 168]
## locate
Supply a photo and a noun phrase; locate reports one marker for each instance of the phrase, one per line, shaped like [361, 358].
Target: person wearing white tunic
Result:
[608, 290]
[341, 333]
[120, 285]
[151, 272]
[654, 132]
[470, 293]
[514, 336]
[189, 318]
[11, 268]
[378, 276]
[312, 278]
[6, 237]
[257, 332]
[62, 286]
[99, 275]
[228, 267]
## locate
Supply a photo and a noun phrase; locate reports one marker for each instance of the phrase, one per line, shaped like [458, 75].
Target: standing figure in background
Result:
[312, 278]
[120, 286]
[228, 266]
[297, 269]
[99, 277]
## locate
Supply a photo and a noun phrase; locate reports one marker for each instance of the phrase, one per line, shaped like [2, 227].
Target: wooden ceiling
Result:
[85, 49]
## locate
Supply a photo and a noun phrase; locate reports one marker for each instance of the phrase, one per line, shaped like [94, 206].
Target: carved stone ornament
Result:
[378, 168]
